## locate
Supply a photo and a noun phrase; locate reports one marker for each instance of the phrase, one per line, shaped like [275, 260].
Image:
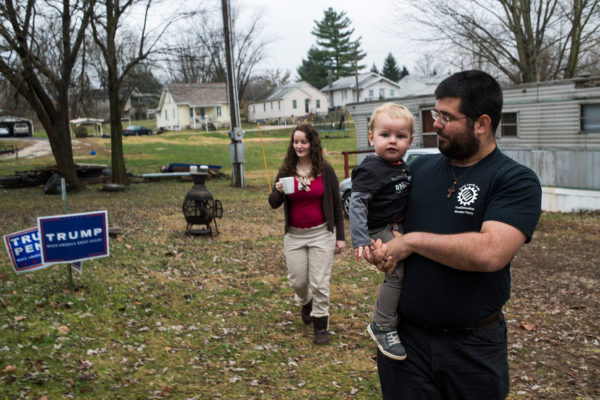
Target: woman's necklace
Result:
[304, 177]
[452, 188]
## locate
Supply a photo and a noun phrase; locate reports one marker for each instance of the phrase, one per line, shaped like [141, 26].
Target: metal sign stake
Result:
[63, 189]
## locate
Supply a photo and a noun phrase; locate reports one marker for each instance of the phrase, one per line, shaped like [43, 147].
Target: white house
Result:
[288, 101]
[371, 86]
[193, 106]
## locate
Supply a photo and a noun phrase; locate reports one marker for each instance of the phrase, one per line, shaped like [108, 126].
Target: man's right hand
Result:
[382, 257]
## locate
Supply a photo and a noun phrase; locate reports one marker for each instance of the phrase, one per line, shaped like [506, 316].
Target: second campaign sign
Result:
[74, 237]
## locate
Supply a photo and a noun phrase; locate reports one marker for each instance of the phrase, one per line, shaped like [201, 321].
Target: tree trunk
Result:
[119, 170]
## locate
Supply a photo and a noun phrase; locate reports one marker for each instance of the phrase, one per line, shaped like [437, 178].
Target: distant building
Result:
[15, 126]
[371, 87]
[287, 102]
[141, 105]
[193, 106]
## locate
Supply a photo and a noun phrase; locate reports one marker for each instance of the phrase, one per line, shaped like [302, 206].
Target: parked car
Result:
[136, 130]
[346, 185]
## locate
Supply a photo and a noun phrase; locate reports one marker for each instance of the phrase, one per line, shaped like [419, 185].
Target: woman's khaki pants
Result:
[309, 256]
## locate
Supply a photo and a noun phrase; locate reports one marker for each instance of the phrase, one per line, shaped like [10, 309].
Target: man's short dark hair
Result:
[479, 94]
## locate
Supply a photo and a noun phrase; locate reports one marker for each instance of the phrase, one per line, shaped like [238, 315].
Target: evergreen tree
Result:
[314, 69]
[334, 50]
[390, 68]
[141, 77]
[374, 69]
[404, 72]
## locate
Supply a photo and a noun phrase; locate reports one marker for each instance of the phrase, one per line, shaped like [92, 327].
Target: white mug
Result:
[288, 184]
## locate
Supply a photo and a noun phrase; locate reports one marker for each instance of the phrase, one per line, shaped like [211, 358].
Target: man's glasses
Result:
[445, 119]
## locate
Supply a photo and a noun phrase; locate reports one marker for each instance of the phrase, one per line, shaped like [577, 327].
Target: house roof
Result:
[418, 86]
[364, 80]
[279, 92]
[13, 119]
[198, 94]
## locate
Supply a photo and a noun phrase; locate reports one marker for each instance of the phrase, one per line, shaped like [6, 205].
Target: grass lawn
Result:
[168, 316]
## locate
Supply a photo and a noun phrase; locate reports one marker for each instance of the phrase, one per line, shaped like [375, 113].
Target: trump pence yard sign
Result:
[74, 237]
[23, 248]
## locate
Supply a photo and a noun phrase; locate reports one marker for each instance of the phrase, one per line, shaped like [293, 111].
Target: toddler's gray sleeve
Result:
[358, 219]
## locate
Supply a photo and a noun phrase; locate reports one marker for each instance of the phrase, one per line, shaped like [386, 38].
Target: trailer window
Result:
[508, 125]
[590, 117]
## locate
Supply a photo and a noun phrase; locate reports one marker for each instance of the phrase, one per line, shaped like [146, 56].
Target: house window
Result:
[264, 107]
[191, 113]
[166, 115]
[371, 94]
[508, 124]
[279, 104]
[271, 105]
[318, 103]
[294, 104]
[590, 117]
[382, 93]
[253, 109]
[344, 95]
[218, 111]
[392, 93]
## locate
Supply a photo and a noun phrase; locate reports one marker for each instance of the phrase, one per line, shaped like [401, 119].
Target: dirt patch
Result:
[554, 331]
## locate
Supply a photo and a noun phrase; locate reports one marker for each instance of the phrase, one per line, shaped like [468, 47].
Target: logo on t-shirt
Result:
[401, 187]
[467, 194]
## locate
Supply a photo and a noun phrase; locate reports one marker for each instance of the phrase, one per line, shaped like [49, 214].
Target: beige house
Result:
[193, 106]
[288, 102]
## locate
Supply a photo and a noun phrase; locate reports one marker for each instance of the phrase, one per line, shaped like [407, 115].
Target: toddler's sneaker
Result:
[387, 340]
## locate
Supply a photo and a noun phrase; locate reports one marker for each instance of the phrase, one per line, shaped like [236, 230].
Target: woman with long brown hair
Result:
[314, 225]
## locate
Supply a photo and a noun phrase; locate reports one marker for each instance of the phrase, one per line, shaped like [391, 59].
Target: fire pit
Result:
[199, 207]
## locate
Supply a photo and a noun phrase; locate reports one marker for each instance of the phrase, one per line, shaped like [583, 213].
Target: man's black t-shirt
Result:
[496, 188]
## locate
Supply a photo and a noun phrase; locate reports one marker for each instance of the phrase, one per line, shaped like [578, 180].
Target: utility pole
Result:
[236, 147]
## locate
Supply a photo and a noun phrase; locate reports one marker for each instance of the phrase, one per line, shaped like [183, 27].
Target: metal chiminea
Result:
[199, 207]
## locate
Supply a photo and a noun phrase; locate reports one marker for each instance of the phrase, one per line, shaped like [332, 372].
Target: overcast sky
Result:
[288, 25]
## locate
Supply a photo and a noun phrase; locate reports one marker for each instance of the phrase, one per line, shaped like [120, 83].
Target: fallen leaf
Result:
[63, 330]
[9, 369]
[19, 318]
[528, 326]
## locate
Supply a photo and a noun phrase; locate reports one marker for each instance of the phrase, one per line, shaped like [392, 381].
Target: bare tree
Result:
[525, 40]
[262, 83]
[200, 55]
[122, 50]
[40, 65]
[429, 65]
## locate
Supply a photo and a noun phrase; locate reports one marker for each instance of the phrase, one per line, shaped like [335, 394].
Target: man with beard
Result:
[470, 209]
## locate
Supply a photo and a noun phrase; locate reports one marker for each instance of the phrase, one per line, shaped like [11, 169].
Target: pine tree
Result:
[374, 69]
[314, 69]
[404, 72]
[390, 68]
[335, 50]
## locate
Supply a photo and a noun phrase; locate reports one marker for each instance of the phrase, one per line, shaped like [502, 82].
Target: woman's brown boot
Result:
[306, 309]
[321, 333]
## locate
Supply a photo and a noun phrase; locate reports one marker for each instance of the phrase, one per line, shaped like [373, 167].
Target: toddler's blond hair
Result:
[393, 110]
